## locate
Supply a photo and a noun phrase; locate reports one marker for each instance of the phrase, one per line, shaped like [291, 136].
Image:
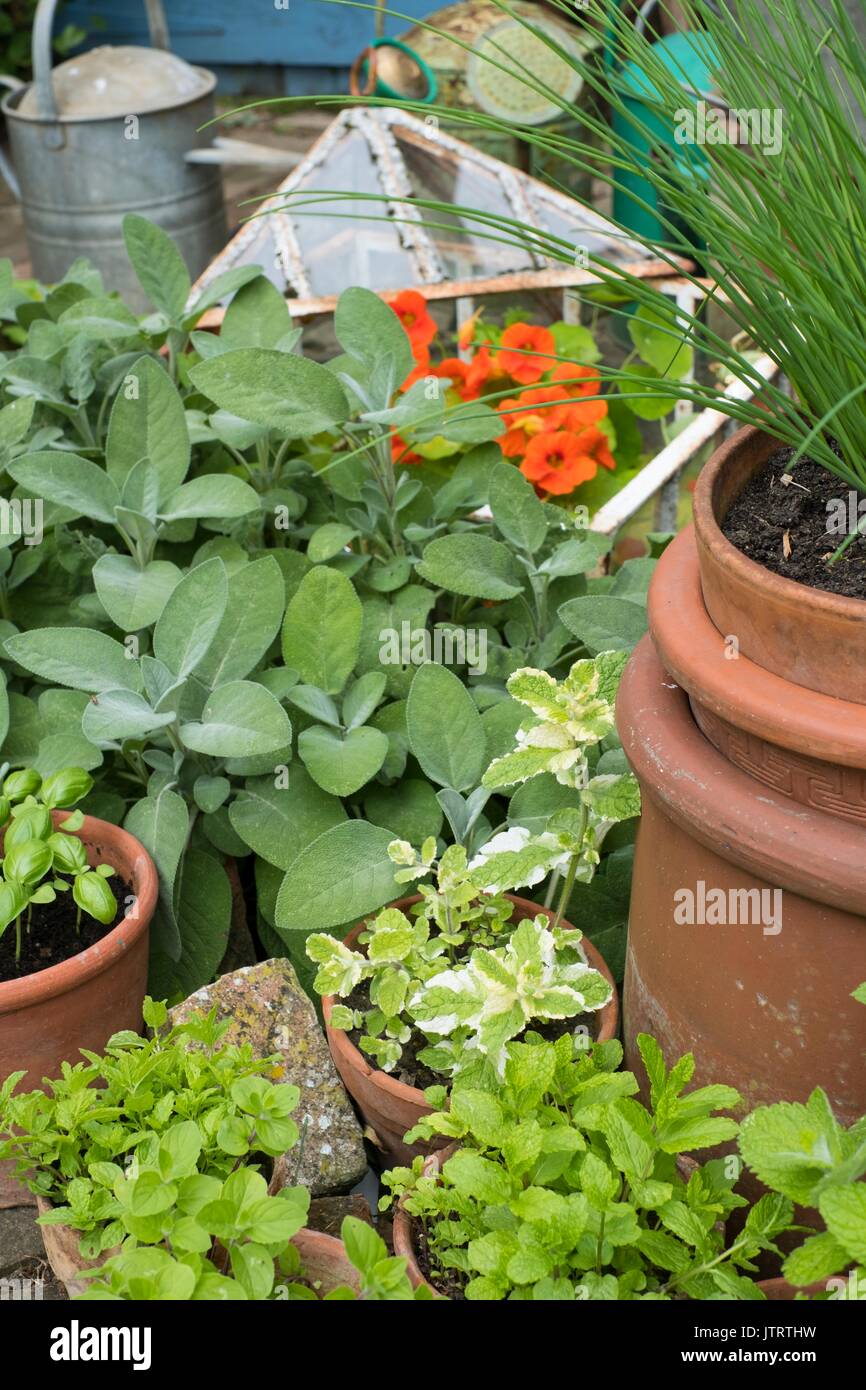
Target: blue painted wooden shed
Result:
[295, 47]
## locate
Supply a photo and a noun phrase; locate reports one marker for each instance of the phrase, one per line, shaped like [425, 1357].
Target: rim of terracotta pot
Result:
[693, 651]
[134, 865]
[352, 1056]
[826, 622]
[722, 807]
[404, 1224]
[324, 1257]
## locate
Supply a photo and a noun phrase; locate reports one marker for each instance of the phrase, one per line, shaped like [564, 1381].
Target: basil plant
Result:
[39, 862]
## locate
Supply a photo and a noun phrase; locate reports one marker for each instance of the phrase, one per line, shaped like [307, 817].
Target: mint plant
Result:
[571, 718]
[38, 861]
[497, 979]
[179, 1098]
[263, 1265]
[565, 1187]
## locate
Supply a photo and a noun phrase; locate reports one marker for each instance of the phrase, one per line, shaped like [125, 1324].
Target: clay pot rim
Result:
[714, 801]
[68, 974]
[353, 1057]
[692, 649]
[734, 562]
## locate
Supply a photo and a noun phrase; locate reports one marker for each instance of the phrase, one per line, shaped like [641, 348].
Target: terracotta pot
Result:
[770, 1014]
[808, 636]
[47, 1017]
[390, 1107]
[64, 1255]
[403, 1234]
[752, 785]
[779, 1290]
[324, 1261]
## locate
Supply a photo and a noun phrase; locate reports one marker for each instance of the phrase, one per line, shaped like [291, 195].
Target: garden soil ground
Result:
[784, 526]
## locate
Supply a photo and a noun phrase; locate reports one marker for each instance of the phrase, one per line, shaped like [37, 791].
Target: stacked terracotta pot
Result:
[744, 716]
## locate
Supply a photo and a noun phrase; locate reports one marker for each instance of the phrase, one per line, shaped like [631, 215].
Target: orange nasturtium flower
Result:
[456, 371]
[580, 380]
[558, 461]
[525, 352]
[411, 309]
[398, 450]
[467, 331]
[529, 414]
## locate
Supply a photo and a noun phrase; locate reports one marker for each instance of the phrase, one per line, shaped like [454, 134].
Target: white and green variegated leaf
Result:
[340, 968]
[392, 937]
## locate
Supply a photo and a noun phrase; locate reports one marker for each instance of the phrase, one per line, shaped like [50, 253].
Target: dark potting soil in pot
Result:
[52, 937]
[414, 1073]
[784, 526]
[449, 1282]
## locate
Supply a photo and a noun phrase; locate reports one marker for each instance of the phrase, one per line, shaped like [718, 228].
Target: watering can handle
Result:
[6, 171]
[43, 26]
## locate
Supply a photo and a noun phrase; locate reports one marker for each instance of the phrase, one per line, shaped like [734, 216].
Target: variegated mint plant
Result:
[461, 974]
[474, 1009]
[570, 720]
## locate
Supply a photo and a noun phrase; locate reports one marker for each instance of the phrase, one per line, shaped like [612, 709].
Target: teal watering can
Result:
[690, 57]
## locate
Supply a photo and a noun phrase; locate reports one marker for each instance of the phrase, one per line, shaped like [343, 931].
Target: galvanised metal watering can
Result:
[79, 163]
